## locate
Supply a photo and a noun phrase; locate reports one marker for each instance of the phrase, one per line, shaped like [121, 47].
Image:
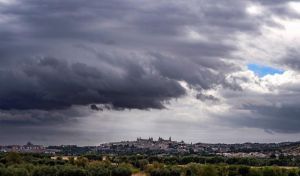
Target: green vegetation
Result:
[194, 169]
[186, 159]
[14, 164]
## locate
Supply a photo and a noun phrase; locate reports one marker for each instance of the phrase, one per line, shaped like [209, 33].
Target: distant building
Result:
[27, 148]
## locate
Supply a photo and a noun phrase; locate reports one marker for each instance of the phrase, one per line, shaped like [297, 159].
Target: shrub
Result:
[255, 172]
[71, 171]
[44, 171]
[244, 170]
[121, 171]
[175, 171]
[209, 171]
[160, 172]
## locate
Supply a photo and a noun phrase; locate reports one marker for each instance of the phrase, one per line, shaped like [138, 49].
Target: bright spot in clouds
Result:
[254, 10]
[7, 1]
[194, 35]
[295, 6]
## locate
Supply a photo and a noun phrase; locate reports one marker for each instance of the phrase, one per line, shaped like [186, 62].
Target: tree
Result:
[13, 158]
[81, 161]
[72, 171]
[44, 171]
[142, 164]
[18, 172]
[210, 171]
[292, 173]
[255, 172]
[194, 170]
[232, 171]
[72, 160]
[244, 170]
[121, 171]
[175, 171]
[99, 171]
[7, 172]
[160, 172]
[270, 171]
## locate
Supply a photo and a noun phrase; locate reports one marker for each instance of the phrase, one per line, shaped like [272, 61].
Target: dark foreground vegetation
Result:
[14, 164]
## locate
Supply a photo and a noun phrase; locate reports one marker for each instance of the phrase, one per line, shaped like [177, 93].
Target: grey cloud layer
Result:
[274, 109]
[131, 54]
[36, 28]
[292, 59]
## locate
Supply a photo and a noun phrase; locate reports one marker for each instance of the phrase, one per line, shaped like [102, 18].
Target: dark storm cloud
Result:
[53, 84]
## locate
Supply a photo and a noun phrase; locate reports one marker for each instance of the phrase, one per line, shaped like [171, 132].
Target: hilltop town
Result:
[166, 147]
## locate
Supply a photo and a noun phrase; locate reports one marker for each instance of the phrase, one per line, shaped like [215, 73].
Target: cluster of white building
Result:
[28, 148]
[244, 155]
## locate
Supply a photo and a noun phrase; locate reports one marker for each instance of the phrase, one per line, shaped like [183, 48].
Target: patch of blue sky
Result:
[262, 70]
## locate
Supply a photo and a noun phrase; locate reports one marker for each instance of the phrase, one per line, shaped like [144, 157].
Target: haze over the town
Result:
[88, 72]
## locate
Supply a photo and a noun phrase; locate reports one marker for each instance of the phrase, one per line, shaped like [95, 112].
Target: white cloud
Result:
[295, 6]
[193, 35]
[6, 2]
[255, 9]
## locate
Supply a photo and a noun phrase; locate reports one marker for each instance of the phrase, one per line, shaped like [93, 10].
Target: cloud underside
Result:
[51, 84]
[55, 56]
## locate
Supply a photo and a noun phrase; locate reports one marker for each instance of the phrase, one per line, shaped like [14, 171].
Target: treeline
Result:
[182, 160]
[14, 164]
[67, 170]
[219, 170]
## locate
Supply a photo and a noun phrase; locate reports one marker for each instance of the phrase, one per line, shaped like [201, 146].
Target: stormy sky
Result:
[88, 72]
